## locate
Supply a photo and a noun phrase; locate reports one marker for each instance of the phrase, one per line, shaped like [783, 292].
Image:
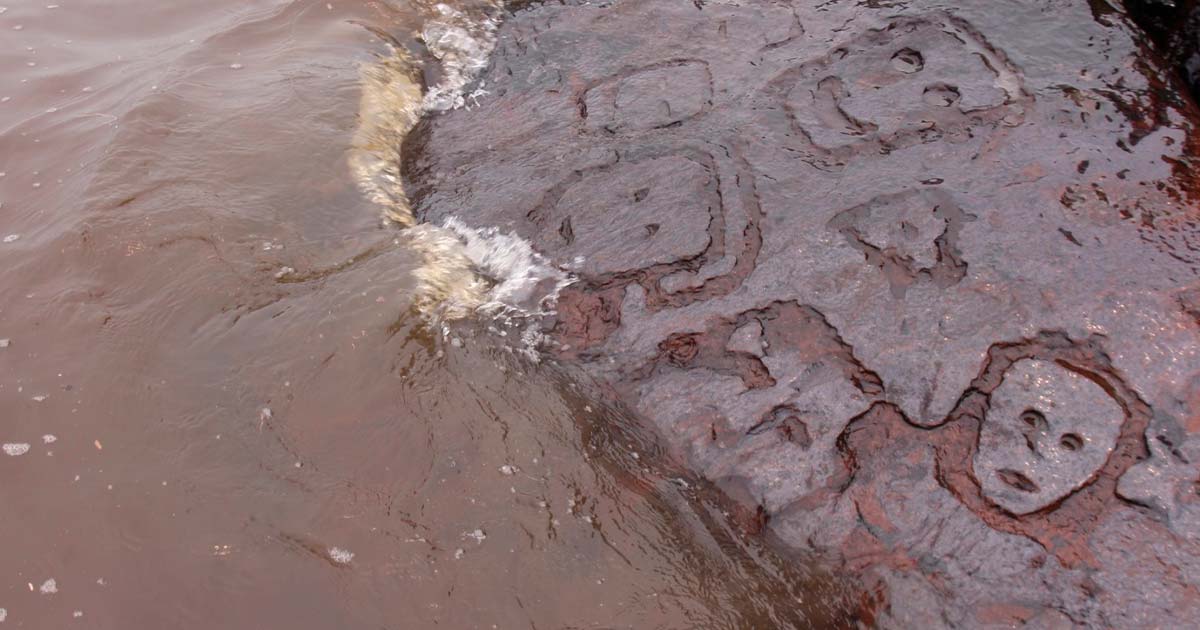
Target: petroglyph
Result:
[877, 271]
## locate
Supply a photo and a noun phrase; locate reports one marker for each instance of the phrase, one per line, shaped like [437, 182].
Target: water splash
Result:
[520, 280]
[462, 43]
[389, 107]
[464, 270]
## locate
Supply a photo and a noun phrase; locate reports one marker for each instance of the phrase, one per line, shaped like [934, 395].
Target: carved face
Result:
[914, 77]
[1047, 431]
[633, 215]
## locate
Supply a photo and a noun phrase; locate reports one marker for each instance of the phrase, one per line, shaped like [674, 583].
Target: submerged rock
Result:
[919, 286]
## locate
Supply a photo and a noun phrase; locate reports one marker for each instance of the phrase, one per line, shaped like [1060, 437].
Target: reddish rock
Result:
[916, 286]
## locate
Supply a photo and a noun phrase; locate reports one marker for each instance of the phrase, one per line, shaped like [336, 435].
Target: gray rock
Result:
[834, 253]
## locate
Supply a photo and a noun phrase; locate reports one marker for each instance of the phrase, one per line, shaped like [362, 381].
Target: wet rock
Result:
[650, 98]
[917, 286]
[1168, 482]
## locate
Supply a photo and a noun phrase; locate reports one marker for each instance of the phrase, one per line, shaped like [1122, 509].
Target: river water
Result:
[222, 403]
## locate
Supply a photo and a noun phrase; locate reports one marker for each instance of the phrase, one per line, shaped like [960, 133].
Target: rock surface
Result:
[916, 281]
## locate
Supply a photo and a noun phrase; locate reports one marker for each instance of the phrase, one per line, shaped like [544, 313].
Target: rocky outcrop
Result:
[918, 285]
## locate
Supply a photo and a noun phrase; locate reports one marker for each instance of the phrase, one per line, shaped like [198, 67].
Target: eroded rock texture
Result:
[917, 283]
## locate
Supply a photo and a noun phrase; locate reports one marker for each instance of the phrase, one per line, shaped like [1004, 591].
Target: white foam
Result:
[340, 556]
[467, 271]
[15, 450]
[522, 281]
[462, 43]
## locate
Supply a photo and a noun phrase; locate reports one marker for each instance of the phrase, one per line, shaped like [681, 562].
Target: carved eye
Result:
[908, 61]
[1033, 418]
[1071, 442]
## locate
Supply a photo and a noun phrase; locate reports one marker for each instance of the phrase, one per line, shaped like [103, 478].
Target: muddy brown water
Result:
[213, 447]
